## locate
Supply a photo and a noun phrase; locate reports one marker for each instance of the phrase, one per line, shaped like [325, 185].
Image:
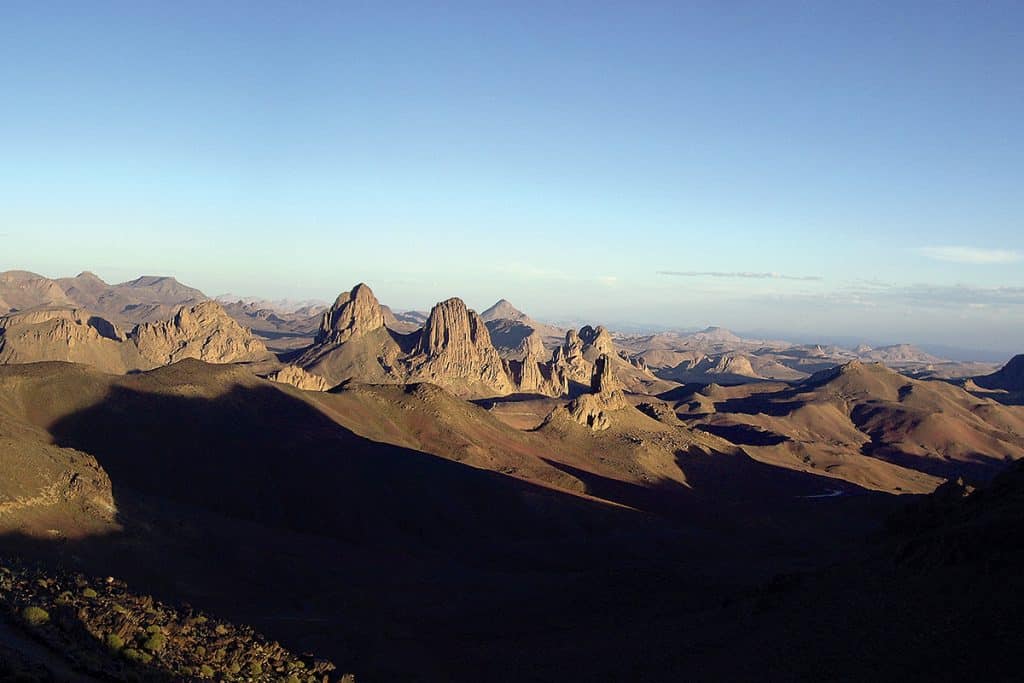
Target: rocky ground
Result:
[101, 630]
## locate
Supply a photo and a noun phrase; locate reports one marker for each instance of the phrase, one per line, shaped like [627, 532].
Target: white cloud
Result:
[973, 255]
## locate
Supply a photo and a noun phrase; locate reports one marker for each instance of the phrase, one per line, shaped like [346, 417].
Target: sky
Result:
[814, 168]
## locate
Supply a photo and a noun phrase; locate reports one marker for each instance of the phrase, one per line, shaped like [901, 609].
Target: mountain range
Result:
[445, 495]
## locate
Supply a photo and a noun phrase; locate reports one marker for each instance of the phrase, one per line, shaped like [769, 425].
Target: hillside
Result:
[868, 425]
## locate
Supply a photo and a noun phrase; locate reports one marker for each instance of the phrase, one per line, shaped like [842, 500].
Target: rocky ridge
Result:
[204, 332]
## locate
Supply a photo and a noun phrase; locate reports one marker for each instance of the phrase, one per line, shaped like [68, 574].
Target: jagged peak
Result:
[353, 314]
[452, 323]
[597, 337]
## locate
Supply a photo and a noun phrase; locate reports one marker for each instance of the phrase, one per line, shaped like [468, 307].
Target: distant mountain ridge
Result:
[144, 299]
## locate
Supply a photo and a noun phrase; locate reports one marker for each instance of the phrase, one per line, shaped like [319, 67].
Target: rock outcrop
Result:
[574, 359]
[637, 361]
[534, 376]
[593, 409]
[603, 379]
[734, 364]
[67, 334]
[299, 378]
[568, 359]
[204, 332]
[454, 350]
[597, 338]
[353, 314]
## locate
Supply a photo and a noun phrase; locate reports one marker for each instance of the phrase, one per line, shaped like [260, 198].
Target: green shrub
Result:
[64, 598]
[255, 668]
[35, 616]
[155, 642]
[133, 655]
[205, 671]
[89, 593]
[114, 642]
[234, 668]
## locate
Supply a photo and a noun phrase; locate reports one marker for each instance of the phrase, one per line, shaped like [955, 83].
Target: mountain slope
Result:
[1008, 378]
[868, 425]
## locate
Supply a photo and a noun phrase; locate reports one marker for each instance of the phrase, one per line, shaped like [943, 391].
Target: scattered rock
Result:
[115, 634]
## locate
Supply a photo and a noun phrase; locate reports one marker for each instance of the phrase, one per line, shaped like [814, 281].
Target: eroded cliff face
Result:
[593, 409]
[353, 315]
[67, 334]
[454, 350]
[204, 332]
[535, 375]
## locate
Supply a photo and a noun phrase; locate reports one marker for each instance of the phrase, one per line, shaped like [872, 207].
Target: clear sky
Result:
[833, 168]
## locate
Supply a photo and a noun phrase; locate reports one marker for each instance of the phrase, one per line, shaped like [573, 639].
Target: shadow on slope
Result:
[246, 501]
[253, 504]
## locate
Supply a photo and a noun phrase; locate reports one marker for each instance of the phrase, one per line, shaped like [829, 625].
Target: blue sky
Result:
[832, 168]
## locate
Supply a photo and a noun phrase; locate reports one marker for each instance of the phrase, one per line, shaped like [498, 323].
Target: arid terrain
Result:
[310, 492]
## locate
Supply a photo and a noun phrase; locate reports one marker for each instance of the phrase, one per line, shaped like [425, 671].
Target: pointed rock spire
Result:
[353, 314]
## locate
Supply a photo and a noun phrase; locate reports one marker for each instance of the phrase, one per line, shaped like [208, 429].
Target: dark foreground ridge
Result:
[57, 624]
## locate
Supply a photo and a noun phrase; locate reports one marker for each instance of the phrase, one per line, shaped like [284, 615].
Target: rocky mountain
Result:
[340, 518]
[204, 332]
[864, 423]
[508, 327]
[454, 349]
[20, 289]
[144, 299]
[594, 409]
[353, 315]
[532, 373]
[503, 310]
[574, 360]
[715, 335]
[897, 355]
[284, 326]
[68, 334]
[1008, 378]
